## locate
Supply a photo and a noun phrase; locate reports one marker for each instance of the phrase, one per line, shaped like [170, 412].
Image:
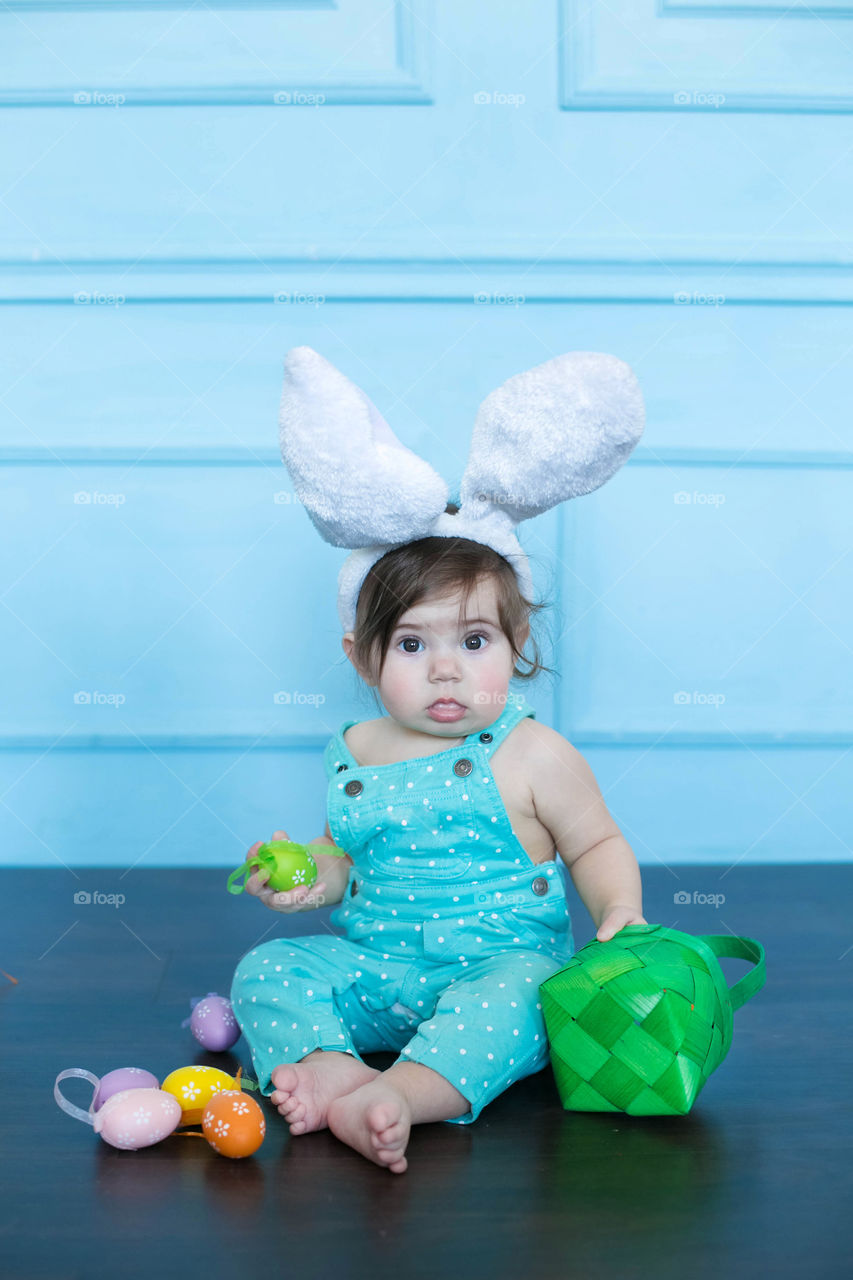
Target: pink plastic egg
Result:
[119, 1080]
[213, 1023]
[138, 1118]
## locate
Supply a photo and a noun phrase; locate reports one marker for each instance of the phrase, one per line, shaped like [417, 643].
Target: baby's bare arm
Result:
[568, 801]
[332, 871]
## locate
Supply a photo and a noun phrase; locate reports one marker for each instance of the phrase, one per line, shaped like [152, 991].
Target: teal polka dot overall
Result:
[448, 928]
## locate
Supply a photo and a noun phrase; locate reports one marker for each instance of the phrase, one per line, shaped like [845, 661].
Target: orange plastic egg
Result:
[233, 1123]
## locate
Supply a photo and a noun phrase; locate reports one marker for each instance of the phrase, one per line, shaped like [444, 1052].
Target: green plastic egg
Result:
[290, 865]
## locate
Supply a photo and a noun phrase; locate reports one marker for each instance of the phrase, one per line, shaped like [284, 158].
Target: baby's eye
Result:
[408, 640]
[477, 635]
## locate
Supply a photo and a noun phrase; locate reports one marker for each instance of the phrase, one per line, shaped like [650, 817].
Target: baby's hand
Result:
[617, 917]
[302, 898]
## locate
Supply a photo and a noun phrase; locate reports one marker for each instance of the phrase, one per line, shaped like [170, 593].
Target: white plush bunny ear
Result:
[359, 484]
[555, 432]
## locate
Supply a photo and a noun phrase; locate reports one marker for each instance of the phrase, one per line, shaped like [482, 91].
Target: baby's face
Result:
[432, 659]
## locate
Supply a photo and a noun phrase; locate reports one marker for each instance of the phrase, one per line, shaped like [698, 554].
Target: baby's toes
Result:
[386, 1140]
[284, 1078]
[382, 1116]
[392, 1136]
[393, 1160]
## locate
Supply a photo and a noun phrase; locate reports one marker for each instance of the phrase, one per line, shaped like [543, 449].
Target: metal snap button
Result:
[341, 767]
[353, 889]
[485, 737]
[354, 788]
[462, 768]
[540, 885]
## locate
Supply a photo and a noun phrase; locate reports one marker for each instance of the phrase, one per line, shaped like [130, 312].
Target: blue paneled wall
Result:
[435, 196]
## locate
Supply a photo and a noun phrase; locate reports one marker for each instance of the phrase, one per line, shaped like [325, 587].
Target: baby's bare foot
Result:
[303, 1090]
[375, 1120]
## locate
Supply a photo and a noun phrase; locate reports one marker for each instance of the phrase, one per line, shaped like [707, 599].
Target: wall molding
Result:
[264, 457]
[114, 6]
[495, 279]
[649, 739]
[688, 89]
[756, 9]
[405, 85]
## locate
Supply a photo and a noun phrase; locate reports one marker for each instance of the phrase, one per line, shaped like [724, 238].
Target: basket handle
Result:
[733, 947]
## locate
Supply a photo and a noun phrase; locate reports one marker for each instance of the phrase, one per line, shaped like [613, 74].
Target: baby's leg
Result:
[302, 1007]
[304, 1090]
[486, 1031]
[376, 1117]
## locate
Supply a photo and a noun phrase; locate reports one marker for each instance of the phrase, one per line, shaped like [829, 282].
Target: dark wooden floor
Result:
[757, 1180]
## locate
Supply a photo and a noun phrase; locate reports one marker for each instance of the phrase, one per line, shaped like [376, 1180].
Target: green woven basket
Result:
[637, 1024]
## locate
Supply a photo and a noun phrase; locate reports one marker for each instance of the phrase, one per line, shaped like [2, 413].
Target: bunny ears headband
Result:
[558, 431]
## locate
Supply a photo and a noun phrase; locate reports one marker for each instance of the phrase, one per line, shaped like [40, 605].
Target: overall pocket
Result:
[428, 837]
[530, 920]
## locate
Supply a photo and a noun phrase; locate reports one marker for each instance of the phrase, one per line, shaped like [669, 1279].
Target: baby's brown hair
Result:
[437, 566]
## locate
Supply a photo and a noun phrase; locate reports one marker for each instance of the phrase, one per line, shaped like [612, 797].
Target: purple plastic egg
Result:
[213, 1023]
[138, 1118]
[120, 1079]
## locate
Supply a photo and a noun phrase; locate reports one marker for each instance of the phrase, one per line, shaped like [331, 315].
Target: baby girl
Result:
[453, 910]
[451, 807]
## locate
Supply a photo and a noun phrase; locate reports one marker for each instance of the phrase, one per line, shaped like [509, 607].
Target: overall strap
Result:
[514, 709]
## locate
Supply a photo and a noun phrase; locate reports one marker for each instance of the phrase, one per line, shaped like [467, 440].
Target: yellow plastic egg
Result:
[233, 1124]
[194, 1087]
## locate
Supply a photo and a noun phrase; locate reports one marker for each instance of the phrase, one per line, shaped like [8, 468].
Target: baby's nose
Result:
[444, 666]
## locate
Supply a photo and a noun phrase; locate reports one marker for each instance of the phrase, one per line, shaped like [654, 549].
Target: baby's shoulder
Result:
[363, 740]
[537, 747]
[555, 770]
[532, 731]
